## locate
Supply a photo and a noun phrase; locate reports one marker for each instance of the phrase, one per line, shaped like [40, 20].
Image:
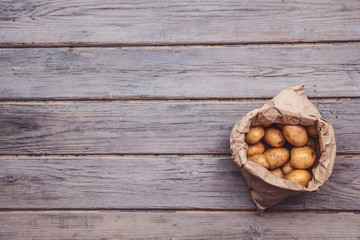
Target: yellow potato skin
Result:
[312, 131]
[274, 137]
[287, 168]
[277, 172]
[302, 157]
[296, 135]
[301, 177]
[311, 143]
[254, 135]
[276, 157]
[255, 149]
[259, 159]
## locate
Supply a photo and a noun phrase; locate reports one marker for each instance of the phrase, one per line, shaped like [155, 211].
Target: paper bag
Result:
[290, 106]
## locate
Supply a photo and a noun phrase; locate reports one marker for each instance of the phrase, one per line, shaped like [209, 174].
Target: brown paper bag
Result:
[290, 106]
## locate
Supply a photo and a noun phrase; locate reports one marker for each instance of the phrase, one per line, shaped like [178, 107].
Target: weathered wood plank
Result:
[123, 182]
[184, 127]
[178, 225]
[156, 182]
[210, 21]
[337, 187]
[179, 72]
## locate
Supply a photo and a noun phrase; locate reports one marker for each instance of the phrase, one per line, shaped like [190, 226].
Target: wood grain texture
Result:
[177, 225]
[210, 21]
[155, 182]
[179, 72]
[337, 186]
[142, 127]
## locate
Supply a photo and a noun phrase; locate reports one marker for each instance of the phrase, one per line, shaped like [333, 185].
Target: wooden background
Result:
[115, 116]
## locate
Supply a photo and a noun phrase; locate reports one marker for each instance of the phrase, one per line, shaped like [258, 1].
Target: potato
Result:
[301, 177]
[267, 125]
[259, 159]
[312, 131]
[295, 134]
[274, 137]
[302, 157]
[287, 168]
[254, 135]
[276, 157]
[311, 143]
[277, 172]
[255, 149]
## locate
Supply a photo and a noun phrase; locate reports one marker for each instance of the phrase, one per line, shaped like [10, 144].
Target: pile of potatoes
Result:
[288, 151]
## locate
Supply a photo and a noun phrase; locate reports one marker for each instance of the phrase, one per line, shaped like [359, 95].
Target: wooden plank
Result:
[344, 189]
[144, 127]
[155, 182]
[177, 225]
[210, 21]
[123, 182]
[179, 72]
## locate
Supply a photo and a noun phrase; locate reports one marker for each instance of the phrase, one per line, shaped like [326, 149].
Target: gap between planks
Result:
[148, 154]
[169, 44]
[162, 99]
[174, 210]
